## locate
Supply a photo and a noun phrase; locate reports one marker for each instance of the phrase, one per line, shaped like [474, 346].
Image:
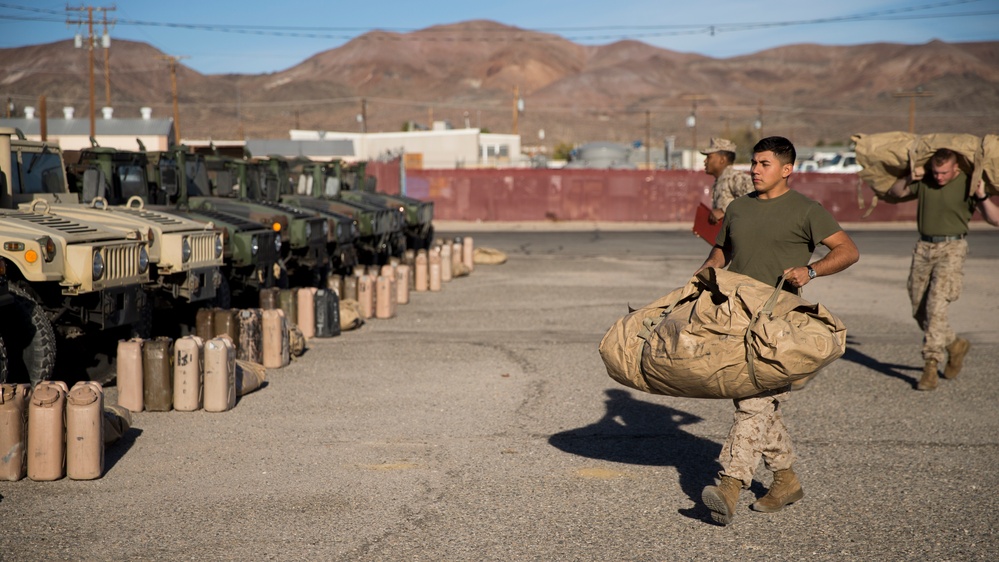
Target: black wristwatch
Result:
[980, 199]
[811, 272]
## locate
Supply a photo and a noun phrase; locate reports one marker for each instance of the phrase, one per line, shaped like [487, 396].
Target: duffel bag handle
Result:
[768, 309]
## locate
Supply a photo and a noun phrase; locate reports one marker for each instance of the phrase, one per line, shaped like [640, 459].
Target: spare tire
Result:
[29, 337]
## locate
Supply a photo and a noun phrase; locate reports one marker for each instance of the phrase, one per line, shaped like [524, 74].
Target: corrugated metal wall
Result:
[605, 195]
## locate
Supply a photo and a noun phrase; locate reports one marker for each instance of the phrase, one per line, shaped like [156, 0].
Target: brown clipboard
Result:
[703, 228]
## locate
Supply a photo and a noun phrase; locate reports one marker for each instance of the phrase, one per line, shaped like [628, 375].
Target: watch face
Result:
[811, 273]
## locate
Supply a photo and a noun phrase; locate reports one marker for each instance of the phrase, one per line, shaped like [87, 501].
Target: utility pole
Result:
[692, 118]
[364, 115]
[648, 139]
[90, 48]
[758, 124]
[917, 93]
[518, 107]
[172, 61]
[106, 43]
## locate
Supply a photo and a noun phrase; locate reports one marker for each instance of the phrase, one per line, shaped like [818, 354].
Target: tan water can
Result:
[14, 431]
[435, 271]
[276, 350]
[220, 375]
[446, 272]
[204, 323]
[187, 374]
[47, 431]
[349, 288]
[269, 298]
[129, 375]
[85, 431]
[421, 273]
[157, 375]
[468, 253]
[384, 297]
[226, 323]
[288, 300]
[335, 283]
[366, 295]
[402, 284]
[307, 311]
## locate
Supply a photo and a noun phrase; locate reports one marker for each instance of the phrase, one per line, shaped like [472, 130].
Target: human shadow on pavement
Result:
[636, 432]
[854, 355]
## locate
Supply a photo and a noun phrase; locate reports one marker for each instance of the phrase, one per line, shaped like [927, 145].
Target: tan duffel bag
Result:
[723, 335]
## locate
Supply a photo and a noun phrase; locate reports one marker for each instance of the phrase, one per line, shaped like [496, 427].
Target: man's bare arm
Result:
[842, 254]
[716, 258]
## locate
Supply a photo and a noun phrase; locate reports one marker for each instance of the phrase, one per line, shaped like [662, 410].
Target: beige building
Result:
[72, 132]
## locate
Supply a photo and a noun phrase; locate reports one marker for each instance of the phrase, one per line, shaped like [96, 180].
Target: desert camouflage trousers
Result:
[757, 432]
[934, 282]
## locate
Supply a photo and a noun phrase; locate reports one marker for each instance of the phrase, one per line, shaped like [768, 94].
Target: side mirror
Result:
[93, 185]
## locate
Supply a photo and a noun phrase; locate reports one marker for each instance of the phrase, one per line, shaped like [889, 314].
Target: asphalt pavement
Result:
[480, 424]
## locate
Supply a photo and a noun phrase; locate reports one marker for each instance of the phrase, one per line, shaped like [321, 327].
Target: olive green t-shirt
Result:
[943, 211]
[764, 237]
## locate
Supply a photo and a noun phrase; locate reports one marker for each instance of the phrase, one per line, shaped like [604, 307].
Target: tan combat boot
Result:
[955, 360]
[929, 380]
[785, 490]
[721, 499]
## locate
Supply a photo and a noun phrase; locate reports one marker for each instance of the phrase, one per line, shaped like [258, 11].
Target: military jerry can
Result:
[250, 334]
[468, 253]
[276, 349]
[288, 302]
[402, 283]
[385, 297]
[129, 377]
[220, 375]
[335, 283]
[421, 273]
[14, 430]
[435, 276]
[445, 251]
[269, 298]
[226, 322]
[204, 323]
[366, 295]
[187, 377]
[47, 431]
[157, 375]
[307, 312]
[85, 431]
[327, 314]
[349, 288]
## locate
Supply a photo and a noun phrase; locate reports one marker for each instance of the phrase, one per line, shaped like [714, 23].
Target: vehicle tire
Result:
[223, 295]
[143, 328]
[29, 337]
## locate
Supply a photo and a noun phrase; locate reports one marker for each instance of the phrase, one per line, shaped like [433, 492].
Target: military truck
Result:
[252, 250]
[239, 187]
[419, 215]
[378, 226]
[186, 256]
[5, 300]
[76, 285]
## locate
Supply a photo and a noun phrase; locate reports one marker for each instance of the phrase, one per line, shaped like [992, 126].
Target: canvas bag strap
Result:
[767, 310]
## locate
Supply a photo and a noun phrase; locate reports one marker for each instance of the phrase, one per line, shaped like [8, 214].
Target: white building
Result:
[72, 132]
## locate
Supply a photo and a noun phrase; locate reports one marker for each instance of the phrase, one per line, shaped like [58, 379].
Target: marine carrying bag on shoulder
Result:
[722, 335]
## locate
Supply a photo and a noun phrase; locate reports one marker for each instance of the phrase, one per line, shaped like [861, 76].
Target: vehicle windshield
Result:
[41, 172]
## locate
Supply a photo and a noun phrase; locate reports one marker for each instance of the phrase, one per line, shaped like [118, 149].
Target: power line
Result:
[491, 35]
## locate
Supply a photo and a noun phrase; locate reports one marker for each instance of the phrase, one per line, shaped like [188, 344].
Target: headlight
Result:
[308, 230]
[98, 269]
[185, 249]
[218, 246]
[143, 259]
[48, 249]
[277, 243]
[254, 245]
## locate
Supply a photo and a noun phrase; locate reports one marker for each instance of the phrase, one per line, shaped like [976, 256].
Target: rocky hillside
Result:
[575, 93]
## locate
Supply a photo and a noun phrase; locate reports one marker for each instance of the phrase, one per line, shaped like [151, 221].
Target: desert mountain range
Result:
[468, 73]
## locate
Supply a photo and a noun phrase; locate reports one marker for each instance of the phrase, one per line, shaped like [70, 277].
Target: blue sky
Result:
[272, 36]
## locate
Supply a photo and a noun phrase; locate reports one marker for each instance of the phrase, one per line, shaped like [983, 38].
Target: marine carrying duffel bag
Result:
[722, 335]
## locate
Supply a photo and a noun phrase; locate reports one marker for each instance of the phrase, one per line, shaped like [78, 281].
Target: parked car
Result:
[841, 163]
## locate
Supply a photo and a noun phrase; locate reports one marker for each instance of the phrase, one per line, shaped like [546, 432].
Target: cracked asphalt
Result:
[480, 424]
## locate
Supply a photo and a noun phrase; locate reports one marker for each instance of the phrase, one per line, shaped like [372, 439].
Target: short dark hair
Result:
[728, 154]
[780, 146]
[942, 156]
